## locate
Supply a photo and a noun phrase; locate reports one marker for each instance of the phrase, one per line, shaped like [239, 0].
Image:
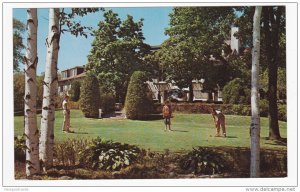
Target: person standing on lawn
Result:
[66, 112]
[167, 114]
[219, 121]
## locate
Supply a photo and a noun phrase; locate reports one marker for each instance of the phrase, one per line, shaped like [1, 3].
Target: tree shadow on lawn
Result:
[77, 132]
[81, 133]
[231, 137]
[177, 130]
[151, 117]
[227, 137]
[281, 142]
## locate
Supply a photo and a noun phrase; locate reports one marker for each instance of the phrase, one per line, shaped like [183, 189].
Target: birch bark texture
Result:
[255, 116]
[31, 130]
[50, 91]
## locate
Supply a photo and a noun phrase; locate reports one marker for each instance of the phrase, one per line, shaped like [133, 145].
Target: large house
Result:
[67, 77]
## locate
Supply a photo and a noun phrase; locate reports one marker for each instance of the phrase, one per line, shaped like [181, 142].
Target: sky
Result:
[74, 50]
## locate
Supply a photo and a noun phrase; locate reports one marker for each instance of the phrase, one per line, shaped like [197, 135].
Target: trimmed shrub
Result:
[236, 92]
[228, 109]
[90, 96]
[75, 91]
[108, 155]
[138, 102]
[107, 102]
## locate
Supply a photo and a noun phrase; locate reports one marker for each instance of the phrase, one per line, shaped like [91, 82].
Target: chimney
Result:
[234, 42]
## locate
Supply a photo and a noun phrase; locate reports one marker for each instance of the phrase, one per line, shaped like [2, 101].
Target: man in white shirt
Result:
[66, 113]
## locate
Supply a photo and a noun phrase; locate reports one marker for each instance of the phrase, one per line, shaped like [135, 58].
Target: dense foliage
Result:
[66, 152]
[197, 35]
[75, 91]
[117, 51]
[108, 155]
[90, 96]
[138, 102]
[18, 46]
[236, 92]
[20, 148]
[205, 161]
[107, 102]
[19, 91]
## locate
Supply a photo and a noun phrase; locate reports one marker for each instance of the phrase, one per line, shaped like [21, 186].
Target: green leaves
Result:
[69, 24]
[204, 161]
[108, 155]
[117, 50]
[195, 34]
[90, 96]
[138, 103]
[18, 46]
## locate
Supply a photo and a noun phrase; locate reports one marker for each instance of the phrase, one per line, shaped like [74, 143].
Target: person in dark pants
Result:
[167, 113]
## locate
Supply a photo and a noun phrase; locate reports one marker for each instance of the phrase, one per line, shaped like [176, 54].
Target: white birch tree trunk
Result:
[31, 130]
[50, 91]
[255, 117]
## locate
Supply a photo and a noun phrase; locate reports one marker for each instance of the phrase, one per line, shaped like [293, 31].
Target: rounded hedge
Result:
[75, 91]
[236, 92]
[138, 103]
[90, 96]
[107, 102]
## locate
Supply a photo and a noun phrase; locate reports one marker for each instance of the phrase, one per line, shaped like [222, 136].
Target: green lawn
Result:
[190, 130]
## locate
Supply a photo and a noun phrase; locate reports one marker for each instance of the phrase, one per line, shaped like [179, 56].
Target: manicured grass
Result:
[190, 130]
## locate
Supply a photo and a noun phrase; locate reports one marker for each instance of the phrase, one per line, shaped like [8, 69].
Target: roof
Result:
[82, 67]
[73, 77]
[155, 47]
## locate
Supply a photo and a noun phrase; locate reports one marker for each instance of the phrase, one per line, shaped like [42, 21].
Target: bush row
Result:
[99, 154]
[230, 109]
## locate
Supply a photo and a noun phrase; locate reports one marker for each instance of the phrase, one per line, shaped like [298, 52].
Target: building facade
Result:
[67, 77]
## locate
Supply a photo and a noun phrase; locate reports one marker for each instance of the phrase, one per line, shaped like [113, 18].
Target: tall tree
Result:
[18, 46]
[31, 130]
[272, 19]
[196, 34]
[273, 46]
[255, 118]
[50, 91]
[117, 51]
[59, 22]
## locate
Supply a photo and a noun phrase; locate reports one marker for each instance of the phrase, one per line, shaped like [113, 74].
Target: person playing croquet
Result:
[66, 113]
[167, 113]
[219, 121]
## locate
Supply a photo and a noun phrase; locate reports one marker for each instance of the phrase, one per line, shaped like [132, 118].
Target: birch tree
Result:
[50, 91]
[57, 21]
[255, 118]
[31, 130]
